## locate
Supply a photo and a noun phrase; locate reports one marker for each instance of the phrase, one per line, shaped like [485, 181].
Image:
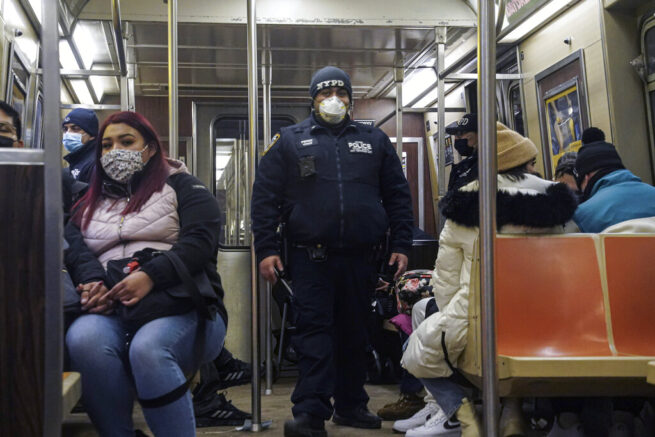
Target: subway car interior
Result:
[560, 337]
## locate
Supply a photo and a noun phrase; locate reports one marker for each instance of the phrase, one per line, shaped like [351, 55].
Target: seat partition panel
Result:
[549, 300]
[631, 285]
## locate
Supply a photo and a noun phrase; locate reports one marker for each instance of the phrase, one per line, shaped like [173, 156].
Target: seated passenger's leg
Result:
[313, 302]
[96, 345]
[451, 397]
[161, 355]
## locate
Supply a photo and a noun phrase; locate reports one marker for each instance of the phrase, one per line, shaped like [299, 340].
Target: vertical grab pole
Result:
[488, 182]
[266, 116]
[440, 40]
[398, 77]
[252, 167]
[52, 382]
[173, 136]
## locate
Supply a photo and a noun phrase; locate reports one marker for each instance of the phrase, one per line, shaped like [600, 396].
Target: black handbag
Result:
[178, 299]
[170, 301]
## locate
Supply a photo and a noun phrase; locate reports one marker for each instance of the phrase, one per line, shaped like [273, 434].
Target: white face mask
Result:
[122, 164]
[332, 110]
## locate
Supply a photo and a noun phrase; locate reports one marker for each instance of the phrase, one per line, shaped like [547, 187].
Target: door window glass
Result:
[650, 50]
[517, 109]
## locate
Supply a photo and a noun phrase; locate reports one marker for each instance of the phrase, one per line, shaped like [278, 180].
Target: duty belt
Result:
[319, 252]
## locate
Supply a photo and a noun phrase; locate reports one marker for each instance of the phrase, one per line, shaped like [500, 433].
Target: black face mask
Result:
[6, 142]
[462, 147]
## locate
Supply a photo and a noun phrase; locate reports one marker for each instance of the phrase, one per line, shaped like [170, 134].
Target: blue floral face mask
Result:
[72, 141]
[122, 164]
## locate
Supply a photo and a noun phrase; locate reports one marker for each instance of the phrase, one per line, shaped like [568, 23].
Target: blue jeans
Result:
[448, 394]
[160, 354]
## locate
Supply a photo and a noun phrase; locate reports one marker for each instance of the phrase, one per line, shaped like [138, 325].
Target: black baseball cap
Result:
[468, 123]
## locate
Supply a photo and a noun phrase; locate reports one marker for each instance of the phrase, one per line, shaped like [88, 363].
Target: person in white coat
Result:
[525, 204]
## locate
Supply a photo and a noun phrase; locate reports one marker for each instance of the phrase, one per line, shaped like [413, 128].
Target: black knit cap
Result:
[592, 135]
[84, 118]
[595, 156]
[328, 77]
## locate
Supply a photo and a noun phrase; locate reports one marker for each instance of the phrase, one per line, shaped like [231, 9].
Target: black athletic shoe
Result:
[234, 372]
[304, 425]
[359, 418]
[218, 411]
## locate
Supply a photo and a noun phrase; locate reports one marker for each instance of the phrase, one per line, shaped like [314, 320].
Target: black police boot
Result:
[357, 418]
[304, 425]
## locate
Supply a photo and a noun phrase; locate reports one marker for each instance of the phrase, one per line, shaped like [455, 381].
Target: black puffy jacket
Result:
[341, 189]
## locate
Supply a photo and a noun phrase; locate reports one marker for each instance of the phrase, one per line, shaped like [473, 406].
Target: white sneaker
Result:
[419, 418]
[437, 425]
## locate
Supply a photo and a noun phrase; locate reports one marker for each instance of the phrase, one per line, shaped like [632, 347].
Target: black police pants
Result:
[331, 303]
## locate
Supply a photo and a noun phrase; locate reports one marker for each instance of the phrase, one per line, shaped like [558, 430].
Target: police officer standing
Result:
[80, 128]
[338, 185]
[466, 144]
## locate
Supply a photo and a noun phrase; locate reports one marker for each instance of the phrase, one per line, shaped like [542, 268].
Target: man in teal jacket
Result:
[611, 193]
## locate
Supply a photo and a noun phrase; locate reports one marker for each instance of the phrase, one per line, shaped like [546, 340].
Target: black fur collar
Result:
[555, 207]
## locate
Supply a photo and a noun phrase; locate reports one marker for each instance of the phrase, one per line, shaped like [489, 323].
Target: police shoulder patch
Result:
[273, 141]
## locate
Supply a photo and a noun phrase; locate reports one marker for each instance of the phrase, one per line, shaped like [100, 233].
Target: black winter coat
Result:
[82, 162]
[343, 190]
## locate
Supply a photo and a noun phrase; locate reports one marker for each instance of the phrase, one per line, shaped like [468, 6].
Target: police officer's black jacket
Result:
[463, 172]
[82, 161]
[342, 190]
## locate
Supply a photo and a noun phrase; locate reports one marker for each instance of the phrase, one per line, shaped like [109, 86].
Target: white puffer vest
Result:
[111, 235]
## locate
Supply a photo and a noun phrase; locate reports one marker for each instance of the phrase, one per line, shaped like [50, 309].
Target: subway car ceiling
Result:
[368, 38]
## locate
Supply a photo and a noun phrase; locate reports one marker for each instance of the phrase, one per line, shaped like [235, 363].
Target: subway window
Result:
[516, 107]
[649, 44]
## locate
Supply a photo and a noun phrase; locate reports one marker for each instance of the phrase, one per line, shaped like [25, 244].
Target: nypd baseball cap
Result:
[328, 77]
[468, 123]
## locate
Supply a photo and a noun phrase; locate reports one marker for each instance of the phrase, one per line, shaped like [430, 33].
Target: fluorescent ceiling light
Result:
[432, 96]
[36, 7]
[415, 83]
[85, 44]
[98, 84]
[65, 96]
[429, 97]
[535, 20]
[82, 91]
[222, 161]
[66, 57]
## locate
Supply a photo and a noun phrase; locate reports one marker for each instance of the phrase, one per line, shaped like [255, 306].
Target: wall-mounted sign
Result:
[563, 122]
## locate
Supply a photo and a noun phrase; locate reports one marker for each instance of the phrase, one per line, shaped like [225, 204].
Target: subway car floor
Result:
[276, 407]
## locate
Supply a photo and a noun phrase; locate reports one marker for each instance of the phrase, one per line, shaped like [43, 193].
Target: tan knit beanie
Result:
[513, 148]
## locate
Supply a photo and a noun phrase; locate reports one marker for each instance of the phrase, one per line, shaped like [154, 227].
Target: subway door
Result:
[415, 167]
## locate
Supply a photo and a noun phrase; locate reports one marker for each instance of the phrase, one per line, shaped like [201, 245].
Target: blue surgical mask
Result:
[72, 141]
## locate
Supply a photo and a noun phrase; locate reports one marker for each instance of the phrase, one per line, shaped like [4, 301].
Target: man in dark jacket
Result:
[611, 194]
[465, 132]
[80, 129]
[338, 185]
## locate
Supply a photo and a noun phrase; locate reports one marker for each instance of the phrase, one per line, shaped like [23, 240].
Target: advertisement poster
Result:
[564, 123]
